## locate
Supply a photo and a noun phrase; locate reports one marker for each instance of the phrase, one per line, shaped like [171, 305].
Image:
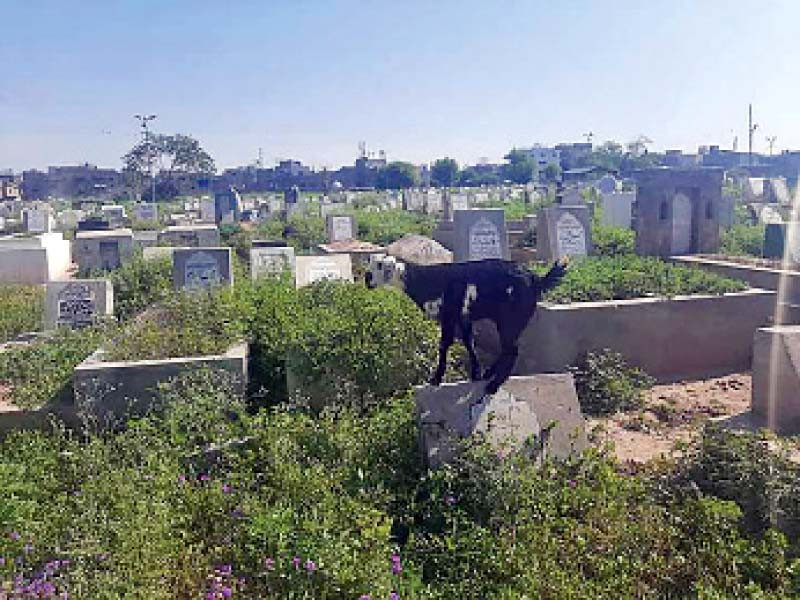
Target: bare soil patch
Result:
[672, 413]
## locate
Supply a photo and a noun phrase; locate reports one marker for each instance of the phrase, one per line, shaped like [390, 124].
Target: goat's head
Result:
[384, 270]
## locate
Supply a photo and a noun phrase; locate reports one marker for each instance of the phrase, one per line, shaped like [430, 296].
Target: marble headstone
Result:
[341, 227]
[480, 234]
[309, 269]
[77, 303]
[563, 231]
[271, 260]
[201, 268]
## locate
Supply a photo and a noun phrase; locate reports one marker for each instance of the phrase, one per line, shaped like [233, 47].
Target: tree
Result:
[397, 175]
[520, 167]
[444, 172]
[168, 154]
[608, 156]
[552, 172]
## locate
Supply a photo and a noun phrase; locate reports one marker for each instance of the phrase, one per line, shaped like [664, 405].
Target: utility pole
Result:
[771, 139]
[143, 120]
[588, 137]
[751, 129]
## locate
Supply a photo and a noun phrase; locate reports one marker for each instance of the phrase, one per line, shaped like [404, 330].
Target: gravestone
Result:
[341, 227]
[572, 197]
[480, 234]
[114, 213]
[536, 413]
[37, 220]
[146, 212]
[270, 260]
[617, 209]
[190, 236]
[201, 268]
[453, 202]
[309, 269]
[563, 231]
[776, 238]
[102, 249]
[292, 195]
[775, 402]
[227, 206]
[208, 210]
[77, 303]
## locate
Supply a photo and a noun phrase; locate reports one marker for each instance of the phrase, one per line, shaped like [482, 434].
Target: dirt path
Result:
[672, 413]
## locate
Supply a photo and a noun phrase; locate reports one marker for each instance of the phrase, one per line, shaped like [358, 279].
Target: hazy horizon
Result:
[309, 80]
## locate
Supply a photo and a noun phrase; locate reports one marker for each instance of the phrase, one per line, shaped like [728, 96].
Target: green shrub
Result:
[360, 346]
[21, 309]
[184, 324]
[387, 226]
[140, 283]
[612, 241]
[606, 384]
[41, 371]
[629, 276]
[742, 240]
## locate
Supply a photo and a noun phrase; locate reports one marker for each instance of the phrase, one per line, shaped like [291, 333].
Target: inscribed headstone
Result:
[201, 268]
[270, 260]
[77, 303]
[309, 269]
[480, 234]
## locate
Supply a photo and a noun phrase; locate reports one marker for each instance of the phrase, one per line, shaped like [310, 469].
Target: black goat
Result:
[461, 293]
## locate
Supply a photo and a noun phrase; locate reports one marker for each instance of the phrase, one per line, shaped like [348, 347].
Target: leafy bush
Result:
[630, 276]
[21, 309]
[184, 324]
[41, 371]
[607, 384]
[387, 226]
[612, 241]
[360, 346]
[140, 283]
[742, 240]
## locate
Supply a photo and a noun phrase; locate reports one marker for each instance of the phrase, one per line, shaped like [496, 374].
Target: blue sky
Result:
[421, 80]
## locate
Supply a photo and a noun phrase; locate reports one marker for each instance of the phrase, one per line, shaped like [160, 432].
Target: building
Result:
[72, 181]
[543, 157]
[574, 155]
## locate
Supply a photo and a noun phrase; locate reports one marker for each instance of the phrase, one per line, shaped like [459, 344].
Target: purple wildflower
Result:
[27, 548]
[572, 483]
[226, 591]
[204, 477]
[269, 564]
[397, 565]
[450, 500]
[227, 488]
[311, 566]
[224, 569]
[365, 597]
[394, 596]
[181, 479]
[296, 562]
[15, 536]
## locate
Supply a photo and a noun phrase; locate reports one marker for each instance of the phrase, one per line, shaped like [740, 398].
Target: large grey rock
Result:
[775, 400]
[538, 410]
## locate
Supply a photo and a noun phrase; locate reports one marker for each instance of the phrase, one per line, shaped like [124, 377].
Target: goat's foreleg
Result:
[448, 335]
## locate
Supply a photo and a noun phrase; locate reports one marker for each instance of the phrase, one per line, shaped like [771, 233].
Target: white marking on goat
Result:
[510, 290]
[470, 294]
[432, 308]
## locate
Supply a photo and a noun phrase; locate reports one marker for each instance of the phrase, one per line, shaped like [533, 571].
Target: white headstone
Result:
[570, 236]
[484, 240]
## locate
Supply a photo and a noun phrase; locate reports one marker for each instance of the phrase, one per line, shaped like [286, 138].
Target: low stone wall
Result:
[758, 277]
[671, 339]
[110, 390]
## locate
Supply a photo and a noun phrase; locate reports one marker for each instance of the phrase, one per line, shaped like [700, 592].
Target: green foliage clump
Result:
[41, 371]
[21, 309]
[140, 283]
[630, 276]
[606, 383]
[612, 241]
[387, 226]
[200, 496]
[742, 240]
[183, 324]
[358, 346]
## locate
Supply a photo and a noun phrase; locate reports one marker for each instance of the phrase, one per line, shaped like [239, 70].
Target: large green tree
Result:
[444, 172]
[169, 155]
[397, 175]
[520, 167]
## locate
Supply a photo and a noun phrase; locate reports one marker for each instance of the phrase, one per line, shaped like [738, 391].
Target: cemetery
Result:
[245, 412]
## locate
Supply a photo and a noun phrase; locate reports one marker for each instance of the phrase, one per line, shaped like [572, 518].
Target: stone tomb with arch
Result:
[677, 211]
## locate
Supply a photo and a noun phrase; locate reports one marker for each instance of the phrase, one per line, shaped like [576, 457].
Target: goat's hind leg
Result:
[468, 336]
[448, 335]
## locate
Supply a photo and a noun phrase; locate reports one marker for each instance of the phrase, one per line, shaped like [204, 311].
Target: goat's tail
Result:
[554, 275]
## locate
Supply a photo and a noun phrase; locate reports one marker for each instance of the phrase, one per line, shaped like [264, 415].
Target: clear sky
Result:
[420, 79]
